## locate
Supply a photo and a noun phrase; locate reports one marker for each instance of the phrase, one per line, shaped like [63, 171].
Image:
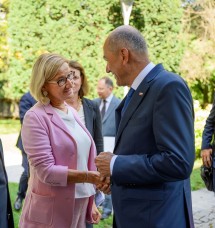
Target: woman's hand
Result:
[206, 157]
[95, 214]
[93, 177]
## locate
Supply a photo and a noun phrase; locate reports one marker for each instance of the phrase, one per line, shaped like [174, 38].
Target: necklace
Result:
[79, 104]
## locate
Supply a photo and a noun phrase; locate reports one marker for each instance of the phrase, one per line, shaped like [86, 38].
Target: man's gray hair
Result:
[127, 37]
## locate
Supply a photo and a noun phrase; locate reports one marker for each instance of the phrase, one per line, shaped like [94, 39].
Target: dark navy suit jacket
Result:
[6, 214]
[26, 102]
[155, 148]
[93, 122]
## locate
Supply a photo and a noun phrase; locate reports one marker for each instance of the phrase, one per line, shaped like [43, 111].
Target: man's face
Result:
[114, 65]
[103, 90]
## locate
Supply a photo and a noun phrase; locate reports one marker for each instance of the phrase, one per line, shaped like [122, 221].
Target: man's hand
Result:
[105, 185]
[206, 157]
[103, 163]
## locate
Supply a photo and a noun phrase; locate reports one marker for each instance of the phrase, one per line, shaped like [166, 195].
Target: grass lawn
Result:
[9, 126]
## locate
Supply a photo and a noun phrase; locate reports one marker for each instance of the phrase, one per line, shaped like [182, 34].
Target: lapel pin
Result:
[140, 94]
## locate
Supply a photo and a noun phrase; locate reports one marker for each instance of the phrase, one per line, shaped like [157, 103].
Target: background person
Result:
[154, 149]
[107, 103]
[60, 151]
[208, 138]
[6, 214]
[87, 110]
[26, 102]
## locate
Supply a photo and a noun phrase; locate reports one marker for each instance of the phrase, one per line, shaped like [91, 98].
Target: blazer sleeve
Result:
[174, 152]
[208, 132]
[98, 139]
[35, 137]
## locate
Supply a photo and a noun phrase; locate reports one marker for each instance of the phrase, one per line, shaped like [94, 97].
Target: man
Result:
[208, 138]
[154, 148]
[6, 214]
[107, 103]
[26, 102]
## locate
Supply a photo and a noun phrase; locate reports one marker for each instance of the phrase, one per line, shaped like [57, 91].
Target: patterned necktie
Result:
[103, 110]
[127, 100]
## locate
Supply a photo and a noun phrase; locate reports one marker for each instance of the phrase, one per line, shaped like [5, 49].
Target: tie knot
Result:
[130, 92]
[104, 101]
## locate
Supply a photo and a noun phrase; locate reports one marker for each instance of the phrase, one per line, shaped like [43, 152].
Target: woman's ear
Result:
[44, 92]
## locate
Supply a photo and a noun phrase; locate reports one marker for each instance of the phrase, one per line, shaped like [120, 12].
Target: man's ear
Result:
[125, 55]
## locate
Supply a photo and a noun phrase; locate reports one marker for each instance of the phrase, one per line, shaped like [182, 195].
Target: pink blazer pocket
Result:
[41, 209]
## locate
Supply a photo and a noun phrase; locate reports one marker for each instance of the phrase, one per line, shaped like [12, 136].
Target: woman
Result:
[61, 153]
[87, 110]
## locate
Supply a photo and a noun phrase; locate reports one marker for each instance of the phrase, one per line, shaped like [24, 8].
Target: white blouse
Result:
[83, 142]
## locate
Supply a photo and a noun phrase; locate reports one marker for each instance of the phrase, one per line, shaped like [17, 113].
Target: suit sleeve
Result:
[24, 105]
[208, 132]
[173, 129]
[35, 137]
[98, 139]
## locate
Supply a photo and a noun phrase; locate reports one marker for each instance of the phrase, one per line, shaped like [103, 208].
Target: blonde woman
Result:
[61, 153]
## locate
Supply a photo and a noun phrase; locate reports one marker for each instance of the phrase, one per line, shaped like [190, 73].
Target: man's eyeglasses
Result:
[62, 81]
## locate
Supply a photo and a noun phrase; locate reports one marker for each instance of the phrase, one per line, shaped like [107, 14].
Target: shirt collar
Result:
[142, 75]
[109, 98]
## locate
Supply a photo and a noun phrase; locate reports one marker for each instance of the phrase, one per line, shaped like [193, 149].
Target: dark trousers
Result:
[89, 225]
[107, 205]
[23, 183]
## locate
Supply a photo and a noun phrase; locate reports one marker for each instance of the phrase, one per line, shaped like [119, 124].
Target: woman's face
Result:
[58, 94]
[76, 80]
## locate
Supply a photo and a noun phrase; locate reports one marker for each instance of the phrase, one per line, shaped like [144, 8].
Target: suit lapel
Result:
[109, 110]
[88, 115]
[135, 101]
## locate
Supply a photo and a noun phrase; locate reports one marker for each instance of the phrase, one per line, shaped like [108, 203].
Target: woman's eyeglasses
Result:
[62, 81]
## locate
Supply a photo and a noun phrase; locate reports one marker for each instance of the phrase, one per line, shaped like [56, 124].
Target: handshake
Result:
[101, 178]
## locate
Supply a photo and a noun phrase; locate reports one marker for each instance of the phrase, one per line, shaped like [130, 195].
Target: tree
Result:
[77, 30]
[3, 44]
[198, 61]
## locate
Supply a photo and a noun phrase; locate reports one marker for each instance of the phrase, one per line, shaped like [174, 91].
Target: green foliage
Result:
[13, 187]
[77, 30]
[3, 45]
[9, 126]
[198, 61]
[196, 181]
[160, 22]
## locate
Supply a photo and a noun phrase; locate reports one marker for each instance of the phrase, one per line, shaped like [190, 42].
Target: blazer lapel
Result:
[136, 99]
[55, 118]
[88, 115]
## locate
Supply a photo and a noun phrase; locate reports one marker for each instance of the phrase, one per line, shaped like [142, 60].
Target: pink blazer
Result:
[51, 152]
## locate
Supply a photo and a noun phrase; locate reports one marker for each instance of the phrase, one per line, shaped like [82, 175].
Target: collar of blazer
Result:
[136, 99]
[55, 118]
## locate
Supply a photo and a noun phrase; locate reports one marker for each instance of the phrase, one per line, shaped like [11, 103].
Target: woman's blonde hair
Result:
[45, 69]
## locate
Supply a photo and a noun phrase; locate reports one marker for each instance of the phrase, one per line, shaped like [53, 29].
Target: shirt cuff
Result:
[112, 163]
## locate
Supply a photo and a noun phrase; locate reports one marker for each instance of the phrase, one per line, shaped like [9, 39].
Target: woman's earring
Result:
[45, 93]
